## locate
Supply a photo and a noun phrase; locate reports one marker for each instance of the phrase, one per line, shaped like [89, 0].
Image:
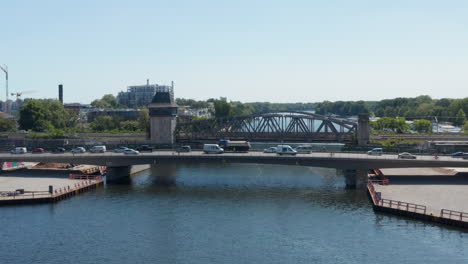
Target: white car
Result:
[98, 149]
[375, 151]
[121, 150]
[131, 152]
[19, 150]
[270, 150]
[406, 155]
[285, 150]
[78, 150]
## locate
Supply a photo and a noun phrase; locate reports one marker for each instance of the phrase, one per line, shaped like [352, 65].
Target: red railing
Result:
[79, 176]
[455, 215]
[410, 207]
[381, 182]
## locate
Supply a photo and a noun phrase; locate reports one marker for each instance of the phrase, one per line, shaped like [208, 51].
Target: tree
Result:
[7, 125]
[129, 125]
[104, 123]
[107, 101]
[422, 126]
[465, 127]
[460, 118]
[144, 120]
[222, 109]
[41, 115]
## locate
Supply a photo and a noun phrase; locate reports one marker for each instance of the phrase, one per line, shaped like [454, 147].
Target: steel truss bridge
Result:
[274, 126]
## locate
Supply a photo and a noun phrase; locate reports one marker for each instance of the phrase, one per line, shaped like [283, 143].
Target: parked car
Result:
[38, 150]
[375, 151]
[98, 149]
[120, 149]
[19, 150]
[59, 150]
[406, 155]
[270, 150]
[212, 148]
[285, 150]
[144, 148]
[458, 154]
[184, 149]
[131, 152]
[78, 150]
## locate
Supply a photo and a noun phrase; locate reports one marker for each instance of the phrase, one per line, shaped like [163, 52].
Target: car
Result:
[304, 149]
[375, 151]
[98, 149]
[285, 150]
[19, 150]
[144, 148]
[458, 154]
[131, 152]
[78, 150]
[212, 148]
[406, 155]
[120, 149]
[38, 150]
[59, 150]
[184, 149]
[270, 150]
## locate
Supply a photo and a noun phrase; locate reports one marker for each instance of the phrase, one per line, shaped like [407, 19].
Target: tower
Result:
[163, 114]
[60, 90]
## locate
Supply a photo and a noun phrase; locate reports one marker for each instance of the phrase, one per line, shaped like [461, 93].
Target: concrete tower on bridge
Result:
[163, 114]
[363, 130]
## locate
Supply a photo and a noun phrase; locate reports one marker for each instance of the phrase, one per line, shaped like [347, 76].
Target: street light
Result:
[5, 70]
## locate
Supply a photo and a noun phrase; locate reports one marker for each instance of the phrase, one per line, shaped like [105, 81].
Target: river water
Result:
[223, 213]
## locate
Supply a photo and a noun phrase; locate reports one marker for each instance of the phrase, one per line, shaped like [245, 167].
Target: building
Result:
[123, 114]
[142, 95]
[163, 118]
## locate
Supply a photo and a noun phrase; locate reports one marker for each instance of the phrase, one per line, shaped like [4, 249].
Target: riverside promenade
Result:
[434, 194]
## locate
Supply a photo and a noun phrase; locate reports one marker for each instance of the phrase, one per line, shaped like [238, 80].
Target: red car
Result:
[38, 150]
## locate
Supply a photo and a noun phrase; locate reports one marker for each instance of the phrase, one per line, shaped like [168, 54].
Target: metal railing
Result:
[454, 215]
[410, 207]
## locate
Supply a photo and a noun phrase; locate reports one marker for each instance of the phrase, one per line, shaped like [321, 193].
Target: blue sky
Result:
[278, 51]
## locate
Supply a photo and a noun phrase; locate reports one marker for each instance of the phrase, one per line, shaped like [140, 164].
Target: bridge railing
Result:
[410, 207]
[455, 215]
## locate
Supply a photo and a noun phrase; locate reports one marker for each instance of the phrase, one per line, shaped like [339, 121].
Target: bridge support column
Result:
[119, 174]
[355, 179]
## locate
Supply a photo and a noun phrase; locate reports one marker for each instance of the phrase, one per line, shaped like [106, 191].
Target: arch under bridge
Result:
[272, 126]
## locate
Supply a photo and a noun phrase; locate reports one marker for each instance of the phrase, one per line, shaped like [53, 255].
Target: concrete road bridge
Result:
[119, 164]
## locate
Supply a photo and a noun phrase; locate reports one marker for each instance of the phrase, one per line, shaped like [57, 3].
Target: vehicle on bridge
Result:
[184, 149]
[304, 149]
[38, 150]
[212, 148]
[98, 149]
[131, 152]
[144, 148]
[458, 154]
[406, 155]
[375, 151]
[270, 150]
[236, 146]
[78, 150]
[19, 150]
[285, 150]
[120, 149]
[58, 150]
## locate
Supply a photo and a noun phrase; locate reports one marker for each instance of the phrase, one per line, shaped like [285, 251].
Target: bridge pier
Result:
[355, 179]
[121, 174]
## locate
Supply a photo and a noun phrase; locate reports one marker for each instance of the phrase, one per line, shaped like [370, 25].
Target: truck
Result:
[234, 146]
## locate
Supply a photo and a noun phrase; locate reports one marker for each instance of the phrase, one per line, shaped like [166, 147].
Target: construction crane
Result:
[18, 94]
[5, 70]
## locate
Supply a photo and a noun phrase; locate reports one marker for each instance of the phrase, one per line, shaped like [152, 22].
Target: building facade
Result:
[142, 95]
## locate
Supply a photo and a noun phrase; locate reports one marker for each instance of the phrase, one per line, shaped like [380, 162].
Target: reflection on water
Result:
[223, 213]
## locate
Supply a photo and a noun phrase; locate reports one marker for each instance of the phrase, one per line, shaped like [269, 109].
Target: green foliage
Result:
[7, 125]
[422, 126]
[192, 103]
[222, 108]
[465, 127]
[129, 125]
[342, 108]
[42, 115]
[104, 123]
[107, 101]
[397, 125]
[460, 118]
[144, 120]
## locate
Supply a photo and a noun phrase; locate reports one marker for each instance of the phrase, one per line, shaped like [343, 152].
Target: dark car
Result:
[184, 149]
[144, 148]
[458, 154]
[38, 150]
[58, 150]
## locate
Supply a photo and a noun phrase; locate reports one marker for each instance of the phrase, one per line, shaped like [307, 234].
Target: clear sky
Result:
[246, 50]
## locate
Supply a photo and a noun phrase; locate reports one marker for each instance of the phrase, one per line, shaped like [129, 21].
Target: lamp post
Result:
[5, 70]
